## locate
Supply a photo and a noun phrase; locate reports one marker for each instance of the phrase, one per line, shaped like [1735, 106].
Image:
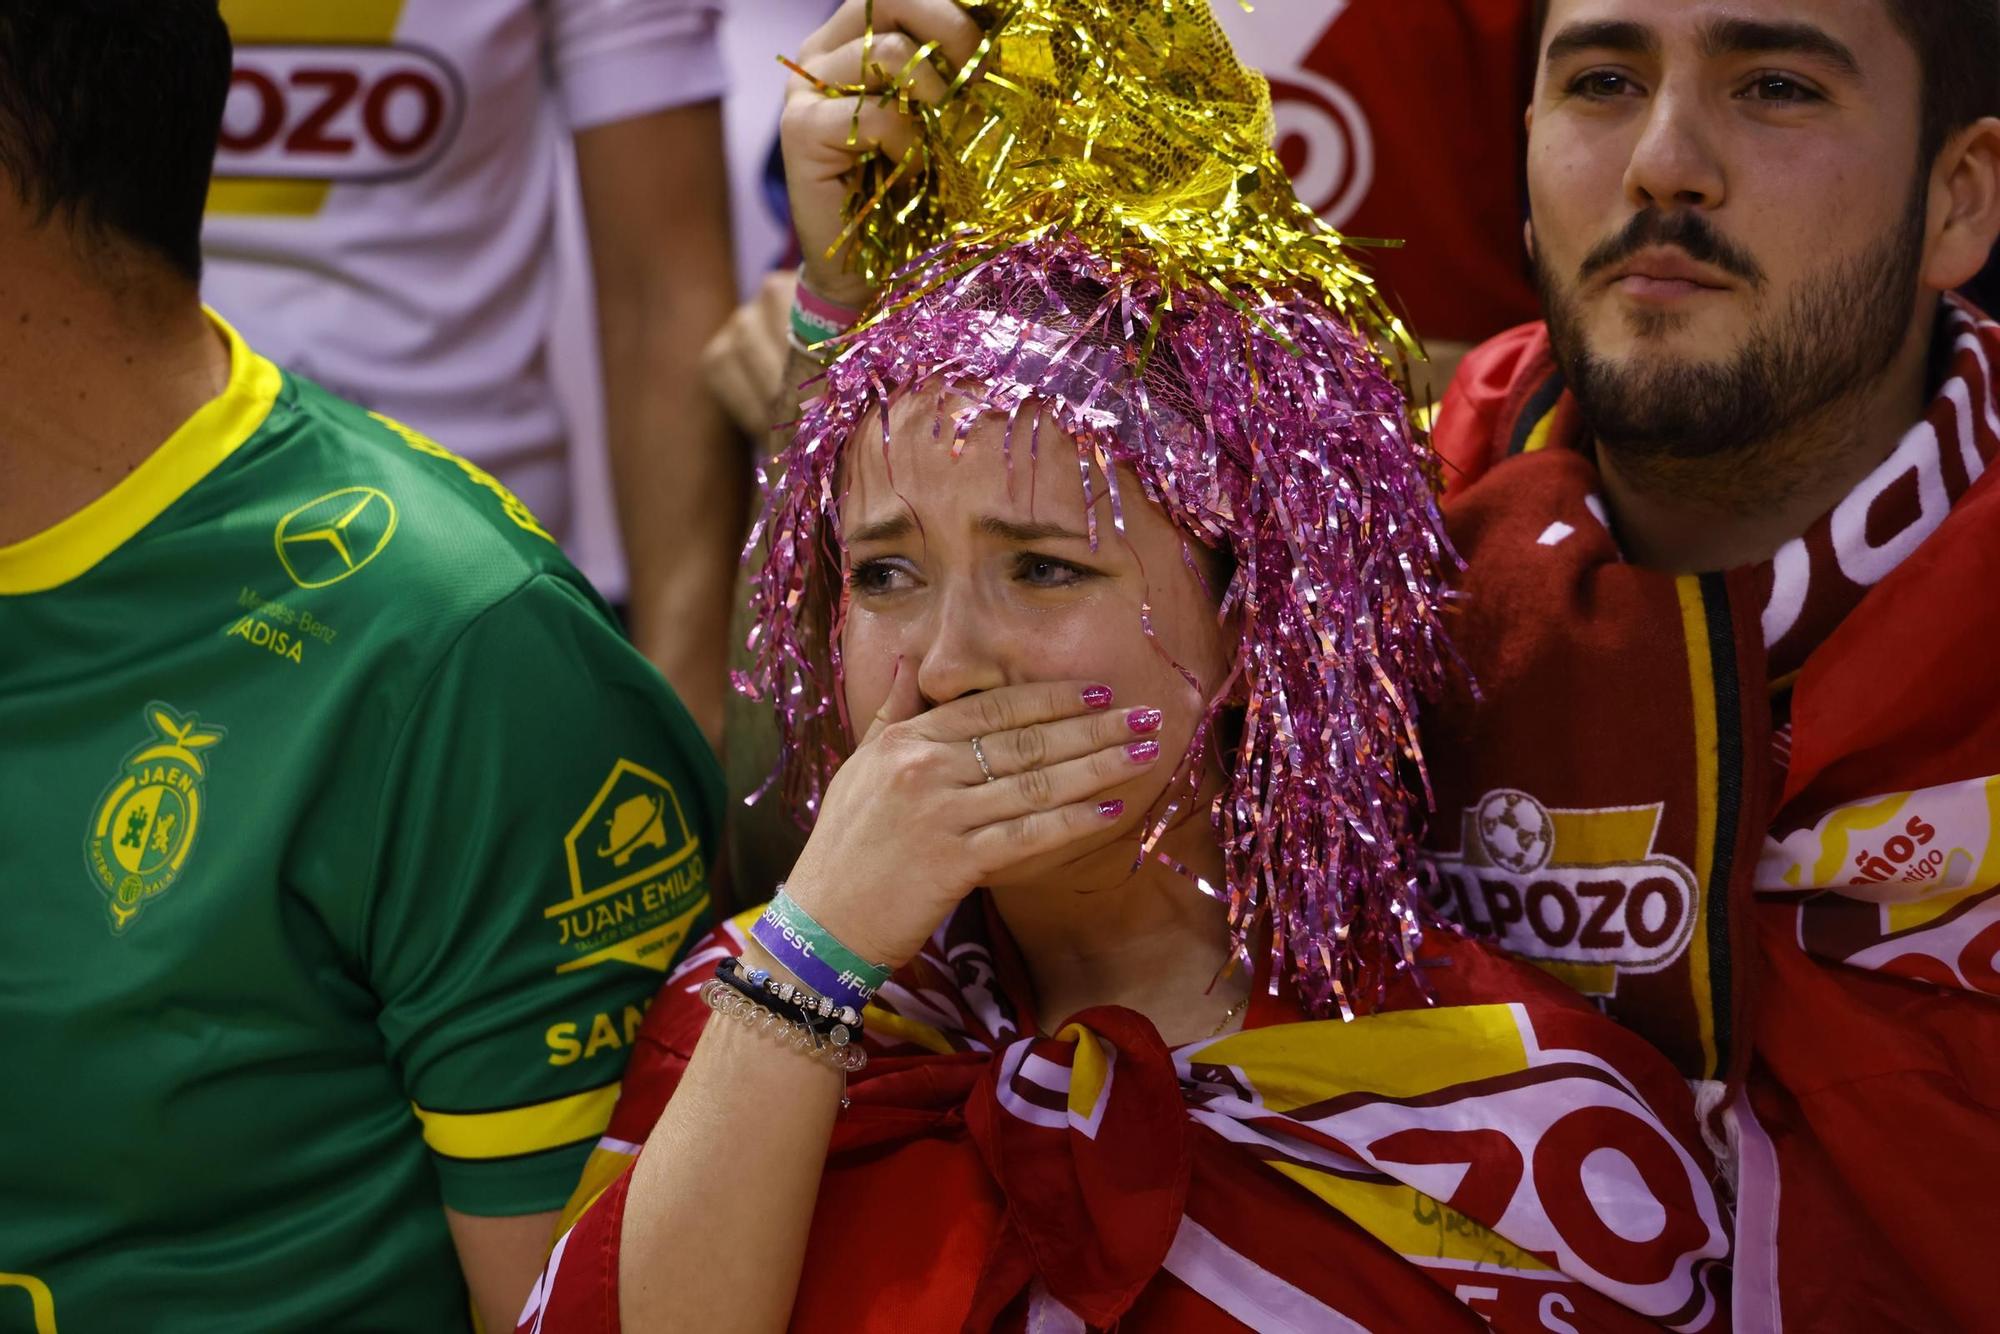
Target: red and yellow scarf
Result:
[1508, 1156]
[1756, 815]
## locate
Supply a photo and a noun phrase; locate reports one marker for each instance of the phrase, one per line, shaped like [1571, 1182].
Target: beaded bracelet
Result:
[812, 1024]
[733, 1004]
[824, 1016]
[813, 954]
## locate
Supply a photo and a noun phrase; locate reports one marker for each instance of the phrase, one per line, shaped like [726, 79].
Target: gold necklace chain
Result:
[1230, 1014]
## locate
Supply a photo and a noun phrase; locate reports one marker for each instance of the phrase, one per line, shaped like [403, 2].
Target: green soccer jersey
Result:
[342, 838]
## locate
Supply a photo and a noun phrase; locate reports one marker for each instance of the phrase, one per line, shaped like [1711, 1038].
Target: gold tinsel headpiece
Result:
[1129, 125]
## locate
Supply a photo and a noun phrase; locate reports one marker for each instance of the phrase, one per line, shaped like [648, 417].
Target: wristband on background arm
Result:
[815, 320]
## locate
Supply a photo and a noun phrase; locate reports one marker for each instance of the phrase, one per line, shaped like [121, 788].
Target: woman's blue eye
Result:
[873, 576]
[1048, 572]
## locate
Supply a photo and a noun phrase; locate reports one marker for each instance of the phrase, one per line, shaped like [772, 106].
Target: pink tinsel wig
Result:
[1267, 429]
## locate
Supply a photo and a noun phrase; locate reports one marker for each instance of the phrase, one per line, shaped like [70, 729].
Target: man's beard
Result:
[1832, 340]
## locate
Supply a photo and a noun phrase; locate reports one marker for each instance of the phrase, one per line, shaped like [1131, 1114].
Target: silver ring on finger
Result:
[979, 753]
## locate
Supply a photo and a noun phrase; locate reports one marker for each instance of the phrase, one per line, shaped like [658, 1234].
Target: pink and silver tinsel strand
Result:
[1266, 429]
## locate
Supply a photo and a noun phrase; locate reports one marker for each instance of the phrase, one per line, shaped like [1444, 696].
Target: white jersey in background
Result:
[383, 212]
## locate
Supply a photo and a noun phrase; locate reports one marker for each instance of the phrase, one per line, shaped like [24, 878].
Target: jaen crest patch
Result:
[147, 820]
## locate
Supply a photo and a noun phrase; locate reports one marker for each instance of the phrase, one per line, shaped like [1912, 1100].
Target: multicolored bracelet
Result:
[812, 1024]
[815, 320]
[813, 954]
[829, 1018]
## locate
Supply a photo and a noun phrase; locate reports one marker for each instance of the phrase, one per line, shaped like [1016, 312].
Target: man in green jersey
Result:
[341, 834]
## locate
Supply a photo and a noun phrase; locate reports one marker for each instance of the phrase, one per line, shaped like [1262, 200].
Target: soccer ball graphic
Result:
[1516, 830]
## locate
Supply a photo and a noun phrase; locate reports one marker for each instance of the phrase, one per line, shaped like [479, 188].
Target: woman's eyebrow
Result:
[1021, 534]
[883, 530]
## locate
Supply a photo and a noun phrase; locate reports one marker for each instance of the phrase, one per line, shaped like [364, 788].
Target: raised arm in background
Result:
[656, 202]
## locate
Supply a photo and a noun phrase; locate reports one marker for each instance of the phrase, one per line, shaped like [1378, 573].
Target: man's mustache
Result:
[1683, 228]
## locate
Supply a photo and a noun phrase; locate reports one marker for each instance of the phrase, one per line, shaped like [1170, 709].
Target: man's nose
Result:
[1671, 164]
[959, 655]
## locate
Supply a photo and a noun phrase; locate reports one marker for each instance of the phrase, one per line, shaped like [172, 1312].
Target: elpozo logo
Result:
[332, 537]
[1579, 891]
[336, 112]
[146, 822]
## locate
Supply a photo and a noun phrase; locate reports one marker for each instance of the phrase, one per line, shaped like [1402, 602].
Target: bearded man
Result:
[1733, 536]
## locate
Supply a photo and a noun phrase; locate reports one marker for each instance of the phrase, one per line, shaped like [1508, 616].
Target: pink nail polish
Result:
[1097, 697]
[1143, 752]
[1143, 720]
[1111, 809]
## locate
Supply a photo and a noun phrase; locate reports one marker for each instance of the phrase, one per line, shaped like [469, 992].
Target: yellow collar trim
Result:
[73, 547]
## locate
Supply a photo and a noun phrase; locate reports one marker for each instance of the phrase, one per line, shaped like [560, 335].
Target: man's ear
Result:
[1528, 224]
[1964, 206]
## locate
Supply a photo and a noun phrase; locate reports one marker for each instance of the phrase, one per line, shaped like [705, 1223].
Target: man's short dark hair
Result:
[1958, 55]
[109, 114]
